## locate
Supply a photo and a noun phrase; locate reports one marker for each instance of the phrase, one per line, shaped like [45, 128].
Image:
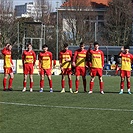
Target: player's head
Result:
[126, 48]
[65, 46]
[96, 45]
[45, 47]
[82, 45]
[29, 46]
[9, 46]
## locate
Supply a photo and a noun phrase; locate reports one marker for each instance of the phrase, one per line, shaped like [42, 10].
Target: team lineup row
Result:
[82, 59]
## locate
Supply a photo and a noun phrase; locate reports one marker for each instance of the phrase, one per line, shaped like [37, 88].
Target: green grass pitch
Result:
[66, 113]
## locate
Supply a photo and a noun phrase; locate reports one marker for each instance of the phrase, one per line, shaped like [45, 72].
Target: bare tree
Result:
[6, 21]
[77, 17]
[118, 26]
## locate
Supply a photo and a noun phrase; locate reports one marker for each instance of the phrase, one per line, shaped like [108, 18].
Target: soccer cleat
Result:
[90, 92]
[62, 91]
[51, 90]
[71, 91]
[10, 89]
[121, 92]
[31, 90]
[24, 90]
[102, 92]
[129, 93]
[41, 90]
[76, 92]
[4, 90]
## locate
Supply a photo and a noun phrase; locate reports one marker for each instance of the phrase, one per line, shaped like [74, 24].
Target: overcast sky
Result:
[21, 2]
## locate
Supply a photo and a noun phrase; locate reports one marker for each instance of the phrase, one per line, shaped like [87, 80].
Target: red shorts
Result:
[8, 70]
[80, 71]
[96, 72]
[67, 71]
[28, 69]
[45, 71]
[125, 73]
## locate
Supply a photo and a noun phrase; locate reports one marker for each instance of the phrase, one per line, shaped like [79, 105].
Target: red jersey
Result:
[97, 58]
[63, 55]
[126, 61]
[80, 57]
[45, 60]
[29, 57]
[7, 58]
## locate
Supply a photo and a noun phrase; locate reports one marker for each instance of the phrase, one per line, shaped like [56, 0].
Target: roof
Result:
[71, 3]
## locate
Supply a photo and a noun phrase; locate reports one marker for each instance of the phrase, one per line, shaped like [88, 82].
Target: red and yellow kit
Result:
[63, 55]
[66, 65]
[97, 59]
[7, 61]
[97, 62]
[80, 60]
[7, 58]
[28, 59]
[126, 60]
[80, 57]
[45, 62]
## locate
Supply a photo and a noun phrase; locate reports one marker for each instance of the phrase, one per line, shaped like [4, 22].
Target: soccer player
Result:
[45, 67]
[28, 61]
[79, 62]
[126, 60]
[96, 66]
[8, 67]
[65, 57]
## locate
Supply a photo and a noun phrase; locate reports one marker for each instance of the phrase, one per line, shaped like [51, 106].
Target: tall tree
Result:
[118, 24]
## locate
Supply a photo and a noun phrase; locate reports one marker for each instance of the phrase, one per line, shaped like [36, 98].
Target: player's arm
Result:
[34, 58]
[121, 52]
[23, 57]
[51, 57]
[74, 58]
[102, 54]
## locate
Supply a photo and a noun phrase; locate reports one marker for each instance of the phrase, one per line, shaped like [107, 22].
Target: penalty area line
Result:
[66, 107]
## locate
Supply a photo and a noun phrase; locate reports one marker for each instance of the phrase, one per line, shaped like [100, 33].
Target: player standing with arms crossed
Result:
[126, 60]
[65, 57]
[96, 66]
[45, 67]
[8, 67]
[79, 62]
[28, 61]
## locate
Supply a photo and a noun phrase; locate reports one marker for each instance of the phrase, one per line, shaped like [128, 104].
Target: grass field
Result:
[66, 113]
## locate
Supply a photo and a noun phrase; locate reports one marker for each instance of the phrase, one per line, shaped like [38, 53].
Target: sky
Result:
[22, 2]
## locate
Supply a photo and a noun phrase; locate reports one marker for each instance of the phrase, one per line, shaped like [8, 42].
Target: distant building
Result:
[28, 10]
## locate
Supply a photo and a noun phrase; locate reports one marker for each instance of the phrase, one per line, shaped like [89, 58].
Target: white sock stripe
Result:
[66, 107]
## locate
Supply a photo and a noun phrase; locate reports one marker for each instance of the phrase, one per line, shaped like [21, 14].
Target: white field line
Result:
[66, 107]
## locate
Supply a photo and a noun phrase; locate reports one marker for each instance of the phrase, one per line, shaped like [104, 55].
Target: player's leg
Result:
[122, 81]
[91, 84]
[31, 82]
[128, 74]
[77, 83]
[50, 82]
[41, 81]
[84, 82]
[101, 84]
[70, 82]
[10, 81]
[63, 83]
[24, 83]
[4, 80]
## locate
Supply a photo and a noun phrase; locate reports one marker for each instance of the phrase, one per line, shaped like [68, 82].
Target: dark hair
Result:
[29, 44]
[96, 43]
[65, 45]
[82, 43]
[44, 46]
[126, 47]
